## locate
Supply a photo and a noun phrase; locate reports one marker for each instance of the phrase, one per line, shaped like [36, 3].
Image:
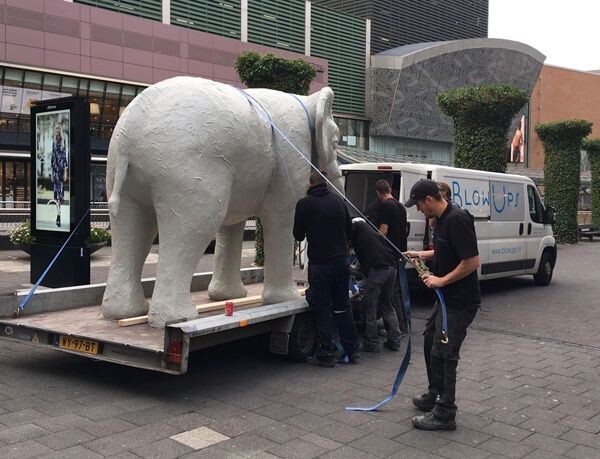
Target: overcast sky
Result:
[566, 31]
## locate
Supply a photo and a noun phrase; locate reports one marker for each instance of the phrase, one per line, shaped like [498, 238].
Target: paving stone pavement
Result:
[529, 386]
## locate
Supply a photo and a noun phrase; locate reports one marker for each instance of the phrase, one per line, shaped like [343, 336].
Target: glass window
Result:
[535, 205]
[70, 86]
[12, 96]
[96, 97]
[110, 110]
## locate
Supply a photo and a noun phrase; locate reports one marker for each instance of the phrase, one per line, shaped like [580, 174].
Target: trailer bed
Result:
[84, 331]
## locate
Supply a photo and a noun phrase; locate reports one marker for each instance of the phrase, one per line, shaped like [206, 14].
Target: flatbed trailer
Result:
[85, 332]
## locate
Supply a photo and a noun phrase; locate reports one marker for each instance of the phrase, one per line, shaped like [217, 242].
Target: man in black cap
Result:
[455, 263]
[322, 218]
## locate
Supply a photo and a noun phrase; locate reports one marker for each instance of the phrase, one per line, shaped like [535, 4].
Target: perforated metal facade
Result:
[221, 18]
[403, 22]
[340, 39]
[277, 23]
[149, 9]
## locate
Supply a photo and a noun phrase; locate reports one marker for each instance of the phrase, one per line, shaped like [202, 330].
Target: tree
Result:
[273, 72]
[482, 116]
[562, 165]
[592, 146]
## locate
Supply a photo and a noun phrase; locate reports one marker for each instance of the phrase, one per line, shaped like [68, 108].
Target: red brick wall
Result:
[561, 94]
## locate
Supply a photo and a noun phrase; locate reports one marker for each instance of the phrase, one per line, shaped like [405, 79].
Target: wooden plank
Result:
[207, 307]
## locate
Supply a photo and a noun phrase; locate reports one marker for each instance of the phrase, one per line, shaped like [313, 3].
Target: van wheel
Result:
[544, 274]
[303, 338]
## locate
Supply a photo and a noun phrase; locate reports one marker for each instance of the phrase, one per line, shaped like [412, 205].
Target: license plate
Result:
[78, 344]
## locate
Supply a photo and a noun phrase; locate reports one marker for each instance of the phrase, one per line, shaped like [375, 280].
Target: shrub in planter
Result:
[562, 165]
[99, 235]
[592, 146]
[482, 116]
[21, 237]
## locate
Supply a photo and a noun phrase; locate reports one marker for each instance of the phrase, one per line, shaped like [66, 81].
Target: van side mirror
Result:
[549, 216]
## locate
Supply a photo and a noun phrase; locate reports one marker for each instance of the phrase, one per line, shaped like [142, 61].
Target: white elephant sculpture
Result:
[191, 158]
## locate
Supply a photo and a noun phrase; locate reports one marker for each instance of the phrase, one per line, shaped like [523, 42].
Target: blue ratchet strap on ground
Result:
[403, 280]
[39, 281]
[407, 354]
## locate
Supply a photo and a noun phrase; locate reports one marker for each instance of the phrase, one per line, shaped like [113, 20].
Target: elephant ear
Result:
[326, 130]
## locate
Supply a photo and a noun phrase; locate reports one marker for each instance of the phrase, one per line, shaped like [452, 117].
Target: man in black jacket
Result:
[322, 218]
[378, 263]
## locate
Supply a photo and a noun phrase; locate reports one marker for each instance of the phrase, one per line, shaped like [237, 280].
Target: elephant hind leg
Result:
[132, 231]
[187, 224]
[226, 282]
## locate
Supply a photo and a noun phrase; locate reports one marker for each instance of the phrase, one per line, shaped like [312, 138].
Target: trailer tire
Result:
[544, 275]
[303, 338]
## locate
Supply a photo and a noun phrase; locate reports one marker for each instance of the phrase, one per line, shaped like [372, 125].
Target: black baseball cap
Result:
[421, 190]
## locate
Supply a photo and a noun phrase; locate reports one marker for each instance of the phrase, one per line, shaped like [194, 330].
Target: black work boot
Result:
[425, 402]
[428, 421]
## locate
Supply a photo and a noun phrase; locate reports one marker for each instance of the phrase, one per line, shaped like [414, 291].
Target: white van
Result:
[514, 231]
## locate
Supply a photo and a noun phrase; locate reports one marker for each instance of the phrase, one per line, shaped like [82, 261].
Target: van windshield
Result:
[360, 188]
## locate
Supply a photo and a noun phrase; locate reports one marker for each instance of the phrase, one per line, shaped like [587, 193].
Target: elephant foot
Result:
[219, 291]
[177, 309]
[122, 306]
[273, 295]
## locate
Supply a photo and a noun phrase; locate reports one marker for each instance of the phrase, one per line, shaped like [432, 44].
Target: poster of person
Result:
[517, 146]
[52, 187]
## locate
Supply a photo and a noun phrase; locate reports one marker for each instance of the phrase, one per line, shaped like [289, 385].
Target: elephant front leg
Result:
[226, 281]
[279, 252]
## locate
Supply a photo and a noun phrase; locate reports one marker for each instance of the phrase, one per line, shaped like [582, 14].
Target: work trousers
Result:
[441, 359]
[397, 301]
[379, 290]
[328, 286]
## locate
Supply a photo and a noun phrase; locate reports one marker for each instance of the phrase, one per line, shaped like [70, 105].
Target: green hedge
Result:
[273, 72]
[592, 146]
[482, 116]
[562, 166]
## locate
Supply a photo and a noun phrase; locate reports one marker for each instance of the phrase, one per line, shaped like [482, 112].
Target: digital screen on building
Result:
[52, 160]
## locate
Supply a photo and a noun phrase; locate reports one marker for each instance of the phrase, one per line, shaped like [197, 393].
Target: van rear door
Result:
[415, 219]
[359, 187]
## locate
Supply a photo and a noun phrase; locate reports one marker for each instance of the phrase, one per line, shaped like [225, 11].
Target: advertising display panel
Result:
[60, 168]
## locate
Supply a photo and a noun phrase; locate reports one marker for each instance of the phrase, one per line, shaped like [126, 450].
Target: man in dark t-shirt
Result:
[392, 224]
[455, 262]
[378, 263]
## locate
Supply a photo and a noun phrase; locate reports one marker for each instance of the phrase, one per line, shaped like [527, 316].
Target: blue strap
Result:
[39, 281]
[440, 296]
[407, 354]
[405, 295]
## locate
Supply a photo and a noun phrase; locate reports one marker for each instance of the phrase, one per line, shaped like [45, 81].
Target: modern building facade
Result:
[110, 51]
[397, 23]
[403, 84]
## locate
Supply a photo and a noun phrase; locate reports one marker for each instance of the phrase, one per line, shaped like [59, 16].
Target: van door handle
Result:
[521, 229]
[529, 229]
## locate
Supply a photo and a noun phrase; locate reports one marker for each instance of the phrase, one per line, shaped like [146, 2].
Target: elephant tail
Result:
[118, 163]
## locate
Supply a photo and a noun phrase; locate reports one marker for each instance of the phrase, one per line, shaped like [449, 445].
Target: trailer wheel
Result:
[303, 338]
[544, 274]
